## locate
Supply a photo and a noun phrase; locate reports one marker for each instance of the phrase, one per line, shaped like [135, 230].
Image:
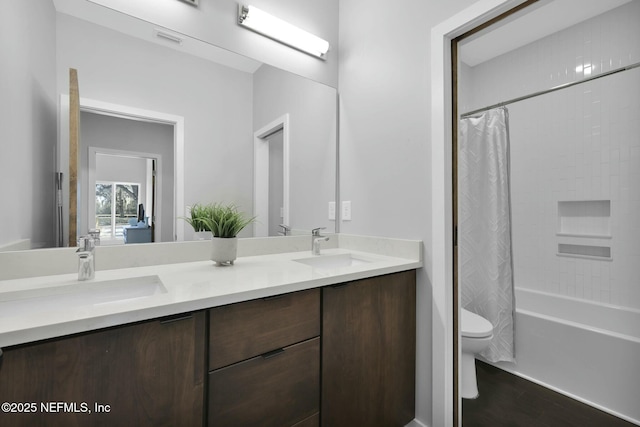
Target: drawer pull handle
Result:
[273, 353]
[176, 318]
[272, 297]
[340, 285]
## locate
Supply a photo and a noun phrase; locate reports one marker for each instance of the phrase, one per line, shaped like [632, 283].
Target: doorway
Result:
[123, 188]
[276, 183]
[535, 193]
[271, 177]
[175, 229]
[125, 154]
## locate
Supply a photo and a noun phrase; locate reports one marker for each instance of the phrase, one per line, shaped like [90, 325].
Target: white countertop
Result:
[189, 287]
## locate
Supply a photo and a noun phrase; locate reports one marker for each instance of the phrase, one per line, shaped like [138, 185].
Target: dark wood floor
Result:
[508, 400]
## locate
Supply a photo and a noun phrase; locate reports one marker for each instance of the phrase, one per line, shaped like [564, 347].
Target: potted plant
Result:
[225, 222]
[197, 213]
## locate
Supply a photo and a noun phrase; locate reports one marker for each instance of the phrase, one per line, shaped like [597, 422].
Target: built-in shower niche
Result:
[583, 224]
[584, 251]
[585, 218]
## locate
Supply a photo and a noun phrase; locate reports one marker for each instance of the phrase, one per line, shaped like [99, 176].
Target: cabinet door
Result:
[368, 352]
[147, 374]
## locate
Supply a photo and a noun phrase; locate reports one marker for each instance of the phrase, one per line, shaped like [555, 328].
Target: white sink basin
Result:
[79, 294]
[330, 262]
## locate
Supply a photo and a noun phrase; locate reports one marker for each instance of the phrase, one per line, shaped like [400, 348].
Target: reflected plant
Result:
[198, 214]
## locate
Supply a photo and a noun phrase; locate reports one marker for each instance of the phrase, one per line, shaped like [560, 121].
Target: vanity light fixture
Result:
[268, 25]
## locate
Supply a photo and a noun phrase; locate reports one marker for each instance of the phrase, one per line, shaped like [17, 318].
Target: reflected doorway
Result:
[126, 195]
[174, 162]
[276, 196]
[271, 177]
[126, 178]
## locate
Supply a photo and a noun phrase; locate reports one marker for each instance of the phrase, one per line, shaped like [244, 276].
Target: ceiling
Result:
[539, 20]
[533, 23]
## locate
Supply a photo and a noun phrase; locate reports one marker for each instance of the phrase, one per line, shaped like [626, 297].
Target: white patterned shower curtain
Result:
[484, 227]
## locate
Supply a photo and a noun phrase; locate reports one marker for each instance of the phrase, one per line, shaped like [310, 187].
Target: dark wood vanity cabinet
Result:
[145, 374]
[368, 352]
[264, 361]
[342, 355]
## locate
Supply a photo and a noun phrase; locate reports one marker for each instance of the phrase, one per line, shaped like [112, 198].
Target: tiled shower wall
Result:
[603, 43]
[580, 144]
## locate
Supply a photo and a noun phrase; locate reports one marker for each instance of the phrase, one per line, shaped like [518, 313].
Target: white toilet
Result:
[476, 333]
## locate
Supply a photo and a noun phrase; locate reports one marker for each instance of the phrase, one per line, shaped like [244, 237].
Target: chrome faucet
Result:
[316, 238]
[86, 258]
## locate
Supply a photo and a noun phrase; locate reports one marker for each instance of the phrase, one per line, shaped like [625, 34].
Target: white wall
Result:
[384, 139]
[215, 101]
[122, 169]
[27, 122]
[577, 144]
[312, 121]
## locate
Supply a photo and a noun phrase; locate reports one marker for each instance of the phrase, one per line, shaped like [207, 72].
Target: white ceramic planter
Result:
[224, 250]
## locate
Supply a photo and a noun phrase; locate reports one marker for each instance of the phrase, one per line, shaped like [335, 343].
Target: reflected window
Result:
[116, 204]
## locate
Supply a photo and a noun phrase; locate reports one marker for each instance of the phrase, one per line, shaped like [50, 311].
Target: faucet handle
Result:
[285, 229]
[316, 231]
[85, 243]
[95, 235]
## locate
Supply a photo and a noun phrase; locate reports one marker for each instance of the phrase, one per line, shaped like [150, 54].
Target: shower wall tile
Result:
[580, 143]
[599, 44]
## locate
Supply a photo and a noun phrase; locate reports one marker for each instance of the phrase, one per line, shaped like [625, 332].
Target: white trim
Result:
[91, 181]
[261, 175]
[125, 111]
[441, 190]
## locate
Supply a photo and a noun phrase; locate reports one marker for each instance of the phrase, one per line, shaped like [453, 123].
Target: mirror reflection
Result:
[163, 128]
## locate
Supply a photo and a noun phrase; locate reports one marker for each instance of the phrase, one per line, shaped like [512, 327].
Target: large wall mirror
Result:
[167, 121]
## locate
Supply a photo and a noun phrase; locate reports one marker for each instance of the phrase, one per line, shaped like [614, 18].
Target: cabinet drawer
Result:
[278, 390]
[240, 331]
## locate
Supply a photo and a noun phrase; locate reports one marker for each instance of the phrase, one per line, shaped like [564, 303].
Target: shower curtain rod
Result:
[553, 89]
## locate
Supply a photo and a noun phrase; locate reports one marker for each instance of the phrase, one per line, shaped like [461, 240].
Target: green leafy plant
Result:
[198, 214]
[226, 221]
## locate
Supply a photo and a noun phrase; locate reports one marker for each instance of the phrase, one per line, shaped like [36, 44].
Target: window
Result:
[116, 204]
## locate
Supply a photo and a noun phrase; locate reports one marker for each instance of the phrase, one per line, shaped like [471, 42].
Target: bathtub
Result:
[588, 351]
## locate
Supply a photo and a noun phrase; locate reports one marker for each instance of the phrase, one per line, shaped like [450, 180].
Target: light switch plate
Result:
[346, 210]
[332, 211]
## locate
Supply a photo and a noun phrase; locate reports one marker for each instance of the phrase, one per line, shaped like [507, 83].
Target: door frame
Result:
[91, 179]
[261, 174]
[132, 113]
[445, 314]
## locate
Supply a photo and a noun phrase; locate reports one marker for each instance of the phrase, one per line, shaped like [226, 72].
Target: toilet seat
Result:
[474, 326]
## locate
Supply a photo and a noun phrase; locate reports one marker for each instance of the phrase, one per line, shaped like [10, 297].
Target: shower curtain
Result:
[484, 227]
